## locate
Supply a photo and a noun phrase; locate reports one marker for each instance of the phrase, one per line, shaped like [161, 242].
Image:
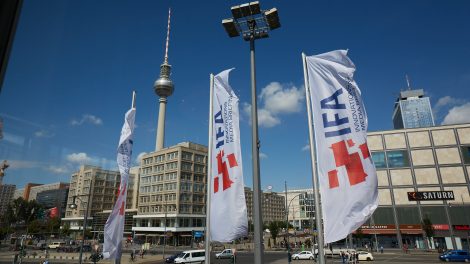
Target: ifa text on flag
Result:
[346, 172]
[228, 214]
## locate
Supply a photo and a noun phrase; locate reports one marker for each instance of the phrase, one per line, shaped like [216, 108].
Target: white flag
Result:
[114, 227]
[228, 216]
[346, 172]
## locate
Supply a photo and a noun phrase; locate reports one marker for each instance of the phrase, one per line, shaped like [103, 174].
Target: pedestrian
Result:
[289, 256]
[342, 255]
[381, 249]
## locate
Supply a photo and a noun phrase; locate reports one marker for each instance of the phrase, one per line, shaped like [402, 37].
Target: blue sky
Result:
[74, 64]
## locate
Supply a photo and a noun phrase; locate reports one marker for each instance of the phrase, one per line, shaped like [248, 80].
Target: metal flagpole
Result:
[209, 173]
[318, 218]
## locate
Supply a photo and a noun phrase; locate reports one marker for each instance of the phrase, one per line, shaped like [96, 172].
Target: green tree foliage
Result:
[427, 226]
[66, 230]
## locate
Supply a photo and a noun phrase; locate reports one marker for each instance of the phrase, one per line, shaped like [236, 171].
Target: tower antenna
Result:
[408, 81]
[167, 36]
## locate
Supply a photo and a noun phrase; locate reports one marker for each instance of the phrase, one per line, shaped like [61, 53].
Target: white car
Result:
[226, 253]
[303, 255]
[364, 255]
[191, 256]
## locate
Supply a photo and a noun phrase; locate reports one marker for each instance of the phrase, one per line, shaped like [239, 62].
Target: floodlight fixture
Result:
[230, 27]
[272, 18]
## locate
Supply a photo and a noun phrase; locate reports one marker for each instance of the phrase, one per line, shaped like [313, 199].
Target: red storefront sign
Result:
[411, 229]
[440, 227]
[462, 227]
[377, 229]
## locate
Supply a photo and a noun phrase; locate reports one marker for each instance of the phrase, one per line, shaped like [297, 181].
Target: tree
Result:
[274, 229]
[66, 230]
[427, 228]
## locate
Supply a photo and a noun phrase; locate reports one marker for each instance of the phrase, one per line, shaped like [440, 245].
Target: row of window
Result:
[171, 222]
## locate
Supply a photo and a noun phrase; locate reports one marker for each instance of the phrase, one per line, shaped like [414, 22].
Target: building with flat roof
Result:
[54, 198]
[423, 173]
[34, 190]
[172, 193]
[273, 206]
[99, 187]
[25, 191]
[6, 196]
[412, 110]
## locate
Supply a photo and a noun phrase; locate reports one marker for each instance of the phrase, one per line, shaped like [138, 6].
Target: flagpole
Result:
[209, 173]
[321, 256]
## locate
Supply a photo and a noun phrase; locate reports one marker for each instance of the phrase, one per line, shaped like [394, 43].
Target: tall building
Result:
[423, 173]
[6, 196]
[163, 88]
[26, 191]
[301, 208]
[272, 207]
[412, 110]
[97, 186]
[172, 193]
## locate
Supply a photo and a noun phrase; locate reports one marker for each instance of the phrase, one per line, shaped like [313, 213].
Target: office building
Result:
[273, 206]
[434, 161]
[34, 190]
[412, 110]
[26, 191]
[301, 208]
[54, 198]
[6, 196]
[99, 187]
[172, 193]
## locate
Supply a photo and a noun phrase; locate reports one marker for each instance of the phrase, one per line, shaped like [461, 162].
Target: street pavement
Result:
[272, 257]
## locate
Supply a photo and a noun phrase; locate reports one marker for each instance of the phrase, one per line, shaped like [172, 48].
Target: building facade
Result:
[54, 198]
[99, 187]
[172, 194]
[34, 190]
[301, 208]
[25, 192]
[412, 110]
[432, 160]
[6, 196]
[273, 206]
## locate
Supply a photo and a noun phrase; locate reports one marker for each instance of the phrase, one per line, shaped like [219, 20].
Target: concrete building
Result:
[34, 190]
[26, 191]
[412, 110]
[6, 196]
[273, 207]
[172, 193]
[98, 186]
[434, 161]
[54, 198]
[301, 208]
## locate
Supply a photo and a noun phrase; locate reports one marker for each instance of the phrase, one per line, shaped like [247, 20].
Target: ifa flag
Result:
[346, 172]
[114, 227]
[228, 215]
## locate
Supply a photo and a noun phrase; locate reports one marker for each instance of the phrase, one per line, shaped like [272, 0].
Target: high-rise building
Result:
[26, 191]
[35, 190]
[99, 187]
[163, 88]
[412, 110]
[172, 193]
[6, 196]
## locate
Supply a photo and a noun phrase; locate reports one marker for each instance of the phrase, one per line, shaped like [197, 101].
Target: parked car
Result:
[192, 256]
[55, 245]
[364, 255]
[455, 255]
[226, 253]
[303, 255]
[86, 248]
[171, 259]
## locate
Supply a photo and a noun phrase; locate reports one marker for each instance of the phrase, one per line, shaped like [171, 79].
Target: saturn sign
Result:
[430, 196]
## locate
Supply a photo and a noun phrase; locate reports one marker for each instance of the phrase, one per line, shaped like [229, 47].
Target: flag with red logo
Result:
[346, 172]
[114, 227]
[228, 215]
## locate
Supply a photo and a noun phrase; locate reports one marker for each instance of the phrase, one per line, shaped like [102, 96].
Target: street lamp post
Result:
[253, 23]
[85, 220]
[287, 219]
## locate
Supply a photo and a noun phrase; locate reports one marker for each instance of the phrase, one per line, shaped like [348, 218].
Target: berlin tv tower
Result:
[163, 88]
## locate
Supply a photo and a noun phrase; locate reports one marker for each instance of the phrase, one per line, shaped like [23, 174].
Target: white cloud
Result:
[276, 100]
[43, 134]
[59, 169]
[279, 99]
[306, 147]
[91, 119]
[80, 158]
[457, 115]
[263, 155]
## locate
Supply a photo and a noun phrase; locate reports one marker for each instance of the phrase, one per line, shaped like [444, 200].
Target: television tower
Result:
[163, 88]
